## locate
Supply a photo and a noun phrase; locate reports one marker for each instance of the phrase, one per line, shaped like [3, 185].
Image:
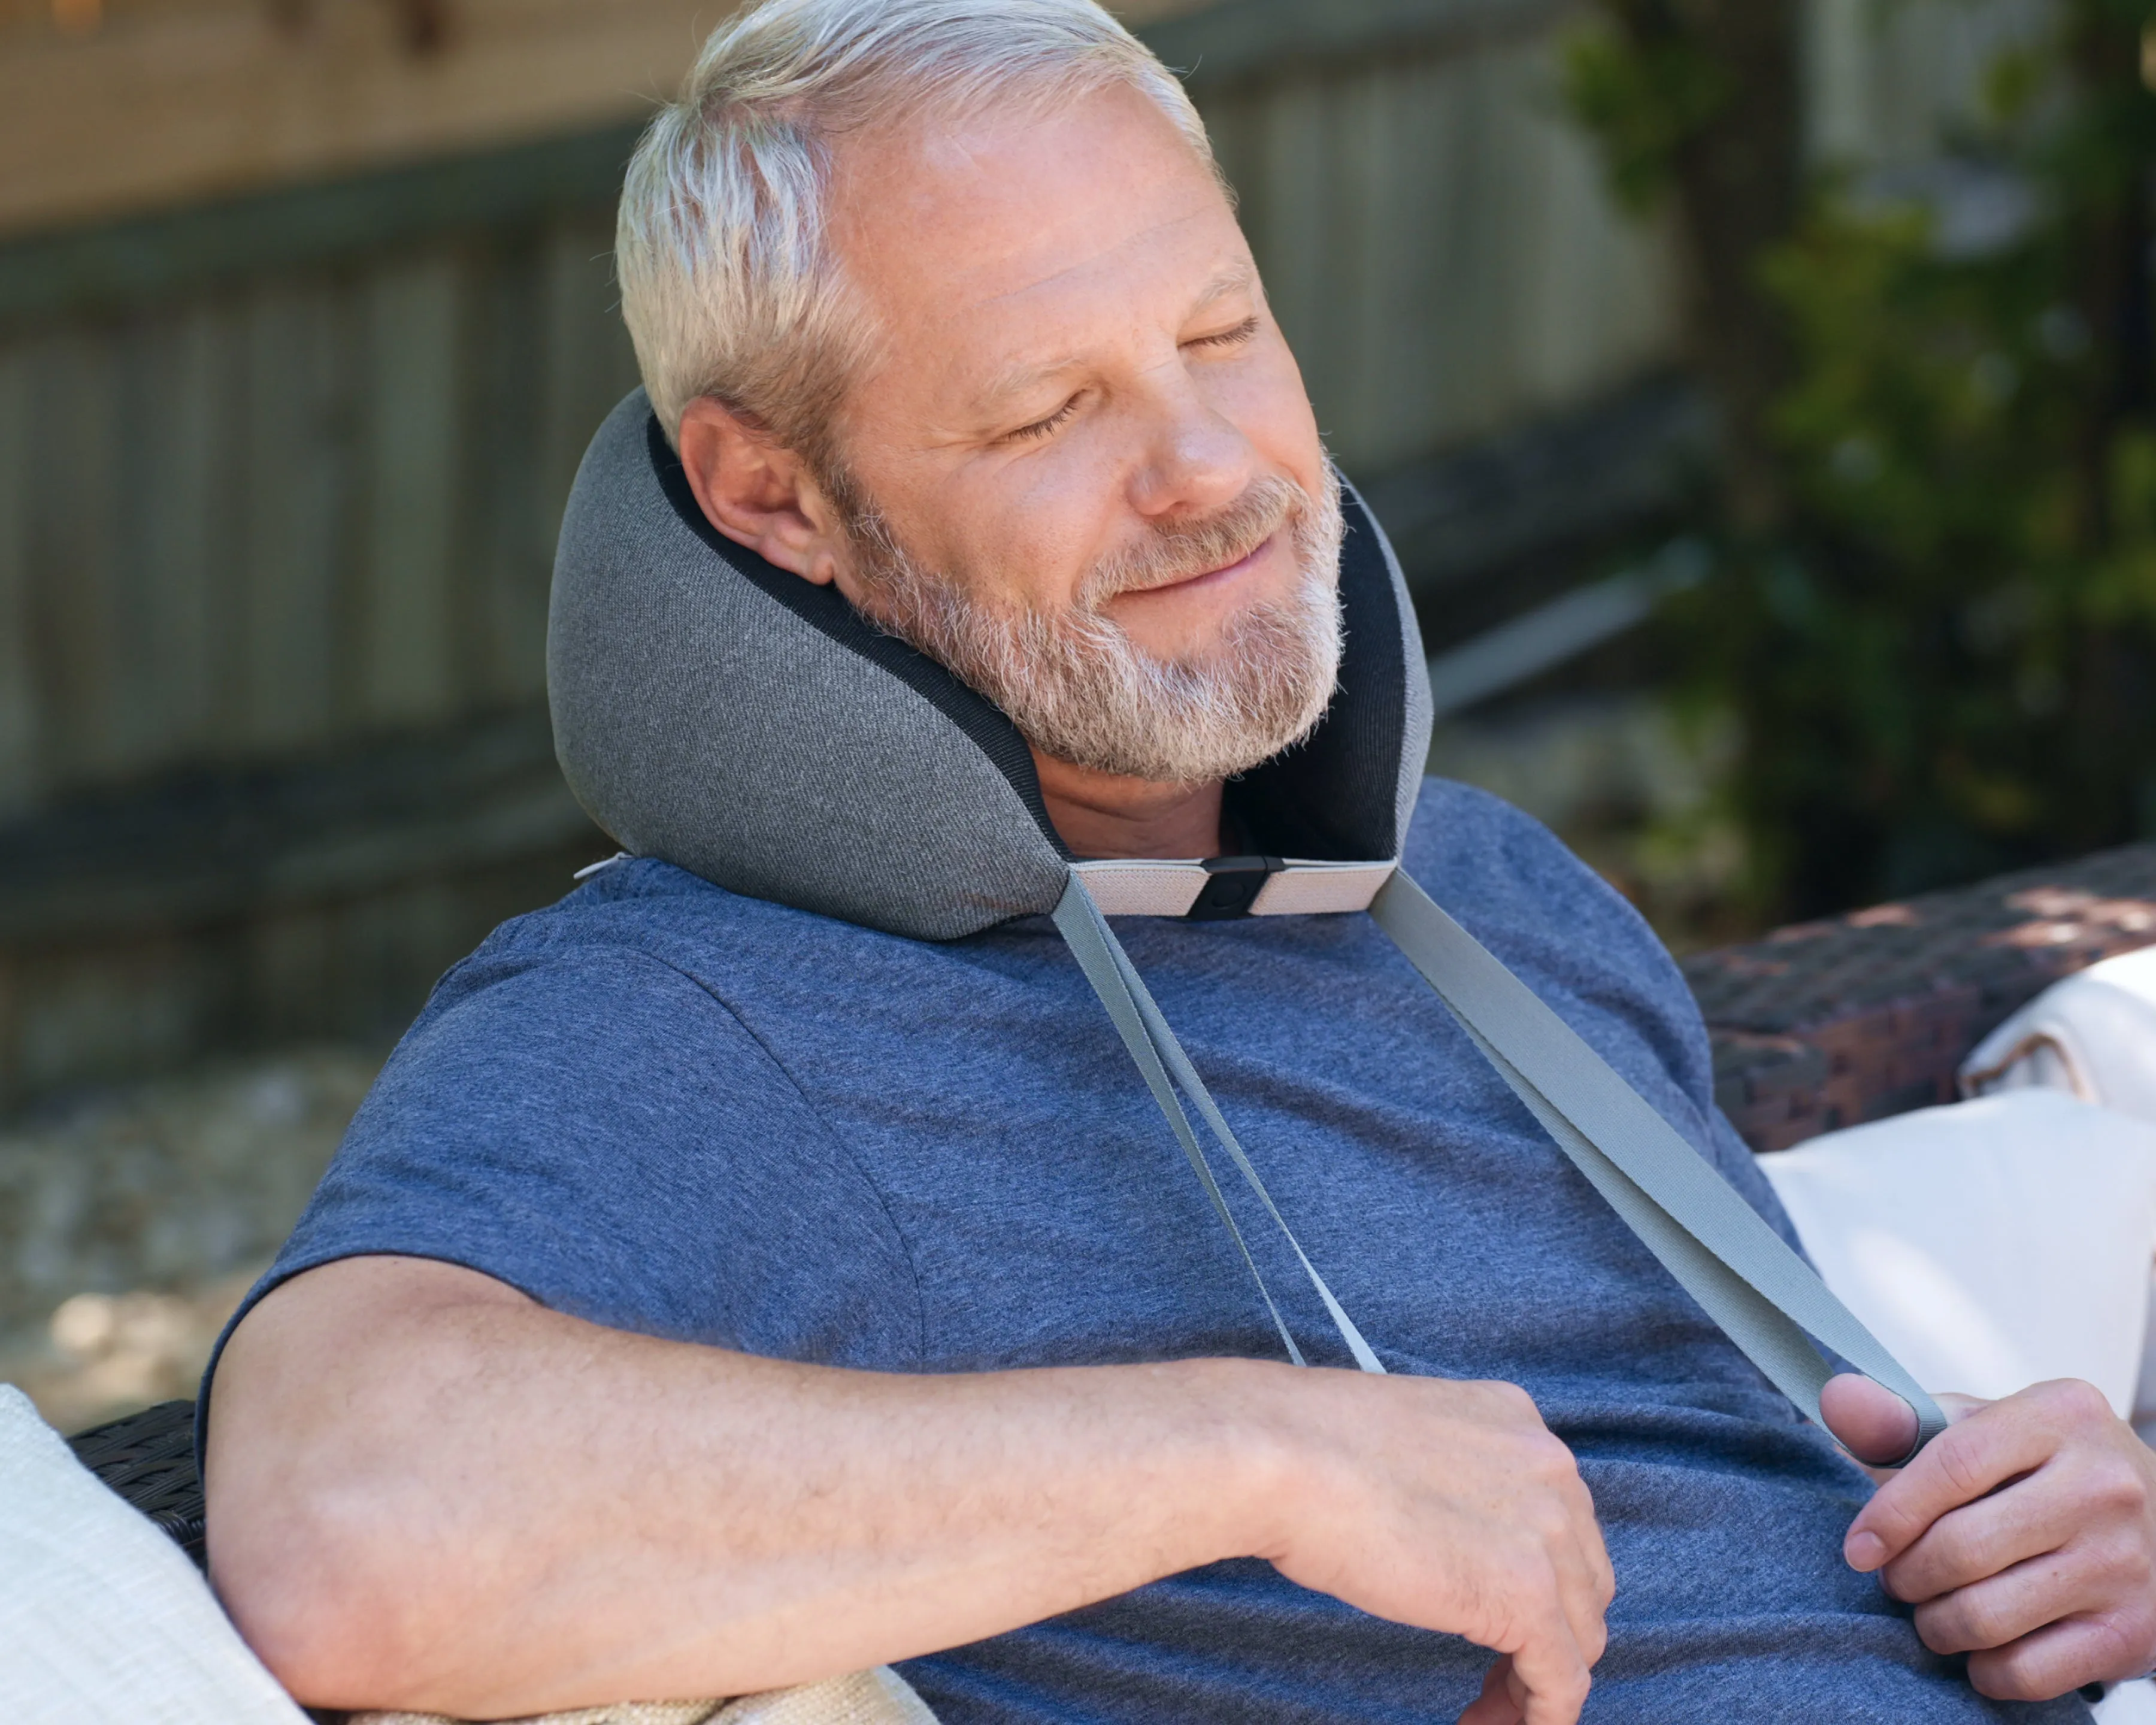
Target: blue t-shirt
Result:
[664, 1107]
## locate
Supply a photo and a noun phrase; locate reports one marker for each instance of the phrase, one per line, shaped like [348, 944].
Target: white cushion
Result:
[1990, 1244]
[103, 1620]
[2094, 1034]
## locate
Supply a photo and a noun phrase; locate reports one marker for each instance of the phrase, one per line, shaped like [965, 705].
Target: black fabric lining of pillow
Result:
[1331, 799]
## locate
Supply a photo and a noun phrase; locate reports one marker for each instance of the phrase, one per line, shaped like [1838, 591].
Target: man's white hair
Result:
[728, 283]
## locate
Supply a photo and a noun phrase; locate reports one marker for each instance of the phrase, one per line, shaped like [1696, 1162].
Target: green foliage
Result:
[1942, 660]
[1642, 100]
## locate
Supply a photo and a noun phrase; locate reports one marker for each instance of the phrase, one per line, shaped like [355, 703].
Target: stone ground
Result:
[132, 1218]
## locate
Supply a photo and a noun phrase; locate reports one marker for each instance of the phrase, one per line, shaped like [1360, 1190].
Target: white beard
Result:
[1079, 689]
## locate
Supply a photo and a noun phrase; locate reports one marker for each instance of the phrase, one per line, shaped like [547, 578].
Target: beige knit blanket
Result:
[877, 1697]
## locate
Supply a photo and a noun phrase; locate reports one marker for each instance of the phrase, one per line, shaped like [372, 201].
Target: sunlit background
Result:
[1759, 393]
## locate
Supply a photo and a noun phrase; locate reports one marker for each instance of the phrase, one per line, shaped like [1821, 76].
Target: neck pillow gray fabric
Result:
[749, 727]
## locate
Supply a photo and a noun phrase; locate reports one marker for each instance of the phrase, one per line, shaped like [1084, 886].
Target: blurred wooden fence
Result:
[278, 487]
[279, 478]
[295, 509]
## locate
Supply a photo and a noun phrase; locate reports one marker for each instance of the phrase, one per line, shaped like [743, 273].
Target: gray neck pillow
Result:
[751, 727]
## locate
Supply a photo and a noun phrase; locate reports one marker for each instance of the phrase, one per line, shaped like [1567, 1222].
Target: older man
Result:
[714, 1295]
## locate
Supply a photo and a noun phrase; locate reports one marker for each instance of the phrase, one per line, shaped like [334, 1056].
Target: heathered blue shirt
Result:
[667, 1108]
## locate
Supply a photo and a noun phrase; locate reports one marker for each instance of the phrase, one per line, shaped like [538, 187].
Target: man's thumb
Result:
[1873, 1423]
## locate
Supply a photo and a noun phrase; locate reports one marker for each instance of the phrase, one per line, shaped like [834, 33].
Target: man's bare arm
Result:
[428, 1492]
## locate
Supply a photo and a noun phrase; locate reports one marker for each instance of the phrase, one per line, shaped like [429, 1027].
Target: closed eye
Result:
[1234, 337]
[1046, 428]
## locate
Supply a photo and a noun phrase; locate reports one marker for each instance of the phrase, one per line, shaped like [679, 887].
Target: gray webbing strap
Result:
[1721, 1250]
[1154, 1047]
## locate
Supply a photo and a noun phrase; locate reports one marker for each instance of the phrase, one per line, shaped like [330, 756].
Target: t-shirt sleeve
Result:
[592, 1127]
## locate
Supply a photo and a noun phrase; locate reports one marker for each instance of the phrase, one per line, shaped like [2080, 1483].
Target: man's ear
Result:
[758, 492]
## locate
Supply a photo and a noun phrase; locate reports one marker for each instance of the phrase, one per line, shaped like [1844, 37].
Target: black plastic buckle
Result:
[1234, 887]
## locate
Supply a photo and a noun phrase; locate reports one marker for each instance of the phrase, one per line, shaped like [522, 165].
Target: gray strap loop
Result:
[1720, 1249]
[1153, 1047]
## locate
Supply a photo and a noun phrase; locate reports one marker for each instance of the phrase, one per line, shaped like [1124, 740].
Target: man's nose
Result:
[1197, 462]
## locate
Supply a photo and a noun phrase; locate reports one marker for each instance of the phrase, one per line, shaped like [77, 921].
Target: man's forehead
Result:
[1018, 229]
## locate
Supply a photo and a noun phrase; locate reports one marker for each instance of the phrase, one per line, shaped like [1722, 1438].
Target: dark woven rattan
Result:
[149, 1459]
[1827, 1025]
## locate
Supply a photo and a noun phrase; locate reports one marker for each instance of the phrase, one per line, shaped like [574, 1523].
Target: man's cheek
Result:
[1265, 399]
[1033, 544]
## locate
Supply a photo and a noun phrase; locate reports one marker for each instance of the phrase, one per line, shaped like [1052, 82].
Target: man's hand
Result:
[1449, 1506]
[2024, 1534]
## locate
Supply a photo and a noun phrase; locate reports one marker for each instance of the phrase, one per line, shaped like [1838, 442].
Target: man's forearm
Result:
[427, 1491]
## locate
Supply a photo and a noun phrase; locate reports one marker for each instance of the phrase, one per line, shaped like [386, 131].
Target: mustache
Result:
[1180, 550]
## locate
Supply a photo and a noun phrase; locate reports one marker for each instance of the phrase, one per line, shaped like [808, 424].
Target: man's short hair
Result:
[728, 284]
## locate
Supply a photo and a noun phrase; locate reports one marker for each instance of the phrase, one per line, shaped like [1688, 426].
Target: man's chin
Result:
[1191, 719]
[1173, 750]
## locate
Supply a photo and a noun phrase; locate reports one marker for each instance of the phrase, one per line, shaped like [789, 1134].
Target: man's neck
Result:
[1102, 814]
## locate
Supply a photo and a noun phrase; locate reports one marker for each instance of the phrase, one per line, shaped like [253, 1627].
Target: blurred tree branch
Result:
[1934, 617]
[1698, 102]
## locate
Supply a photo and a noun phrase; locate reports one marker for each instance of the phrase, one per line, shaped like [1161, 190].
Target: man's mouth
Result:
[1197, 579]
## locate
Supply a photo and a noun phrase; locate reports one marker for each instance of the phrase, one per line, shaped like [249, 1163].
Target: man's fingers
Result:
[1872, 1423]
[2004, 1607]
[1970, 1458]
[2054, 1659]
[1497, 1704]
[1584, 1590]
[1548, 1675]
[1986, 1538]
[1594, 1578]
[1568, 1579]
[1579, 1568]
[1604, 1573]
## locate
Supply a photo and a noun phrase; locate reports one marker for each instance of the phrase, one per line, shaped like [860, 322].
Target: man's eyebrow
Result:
[1237, 278]
[1023, 375]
